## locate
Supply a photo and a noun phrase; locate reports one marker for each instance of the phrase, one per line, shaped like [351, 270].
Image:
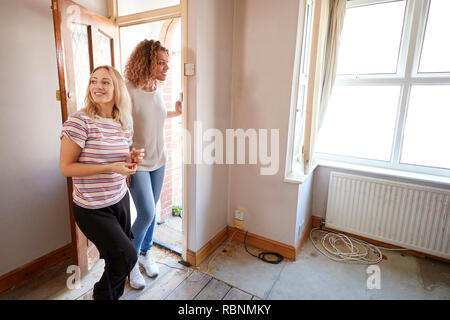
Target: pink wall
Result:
[263, 58]
[210, 35]
[34, 208]
[243, 51]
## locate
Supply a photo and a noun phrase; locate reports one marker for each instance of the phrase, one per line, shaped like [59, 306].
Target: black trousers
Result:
[110, 230]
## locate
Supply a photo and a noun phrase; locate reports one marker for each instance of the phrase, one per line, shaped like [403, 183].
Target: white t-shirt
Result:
[149, 115]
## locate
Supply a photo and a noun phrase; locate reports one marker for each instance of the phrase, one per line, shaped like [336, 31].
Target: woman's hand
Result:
[178, 110]
[123, 168]
[70, 167]
[178, 107]
[135, 156]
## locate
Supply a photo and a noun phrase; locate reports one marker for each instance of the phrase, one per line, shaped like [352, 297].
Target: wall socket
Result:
[239, 214]
[239, 218]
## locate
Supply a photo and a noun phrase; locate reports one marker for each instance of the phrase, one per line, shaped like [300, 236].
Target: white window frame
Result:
[407, 75]
[294, 171]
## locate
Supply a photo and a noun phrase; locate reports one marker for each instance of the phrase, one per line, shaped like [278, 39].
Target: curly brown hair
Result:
[142, 62]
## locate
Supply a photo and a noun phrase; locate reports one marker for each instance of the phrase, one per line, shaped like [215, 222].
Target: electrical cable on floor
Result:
[170, 266]
[264, 255]
[219, 252]
[358, 251]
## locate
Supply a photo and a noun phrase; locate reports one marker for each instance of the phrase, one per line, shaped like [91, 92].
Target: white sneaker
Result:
[137, 280]
[151, 268]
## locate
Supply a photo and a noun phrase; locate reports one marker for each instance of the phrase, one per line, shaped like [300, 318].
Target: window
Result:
[390, 105]
[300, 85]
[126, 7]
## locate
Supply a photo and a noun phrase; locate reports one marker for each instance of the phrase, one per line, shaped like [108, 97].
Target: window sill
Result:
[295, 178]
[383, 171]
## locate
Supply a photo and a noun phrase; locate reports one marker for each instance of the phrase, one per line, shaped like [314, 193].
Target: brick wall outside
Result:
[171, 193]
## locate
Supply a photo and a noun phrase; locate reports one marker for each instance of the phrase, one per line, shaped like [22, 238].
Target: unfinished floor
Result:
[232, 273]
[169, 232]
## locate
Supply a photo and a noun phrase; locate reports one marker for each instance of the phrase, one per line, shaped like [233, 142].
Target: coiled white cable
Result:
[357, 251]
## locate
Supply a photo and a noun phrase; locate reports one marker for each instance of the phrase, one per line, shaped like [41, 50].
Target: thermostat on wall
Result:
[189, 69]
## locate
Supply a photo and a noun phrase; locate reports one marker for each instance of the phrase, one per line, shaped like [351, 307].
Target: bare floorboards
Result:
[174, 282]
[182, 284]
[185, 284]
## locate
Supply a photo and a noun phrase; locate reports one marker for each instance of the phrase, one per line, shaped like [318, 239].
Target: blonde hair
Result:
[122, 101]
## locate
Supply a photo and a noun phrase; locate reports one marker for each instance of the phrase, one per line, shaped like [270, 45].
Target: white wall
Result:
[210, 34]
[34, 209]
[34, 217]
[244, 54]
[263, 59]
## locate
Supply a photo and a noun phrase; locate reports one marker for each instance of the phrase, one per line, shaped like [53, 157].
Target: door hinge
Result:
[58, 95]
[54, 5]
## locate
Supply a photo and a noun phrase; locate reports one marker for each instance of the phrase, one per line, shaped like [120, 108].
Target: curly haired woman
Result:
[145, 69]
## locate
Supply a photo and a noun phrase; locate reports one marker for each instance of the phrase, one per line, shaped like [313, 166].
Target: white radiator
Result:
[410, 216]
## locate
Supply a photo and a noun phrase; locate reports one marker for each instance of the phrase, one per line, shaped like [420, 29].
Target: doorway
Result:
[169, 211]
[85, 40]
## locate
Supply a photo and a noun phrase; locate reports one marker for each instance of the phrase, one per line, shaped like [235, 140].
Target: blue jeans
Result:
[145, 189]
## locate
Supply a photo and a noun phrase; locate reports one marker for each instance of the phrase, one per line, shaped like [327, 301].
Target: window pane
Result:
[130, 36]
[81, 64]
[427, 132]
[371, 39]
[299, 123]
[125, 7]
[103, 54]
[436, 47]
[360, 122]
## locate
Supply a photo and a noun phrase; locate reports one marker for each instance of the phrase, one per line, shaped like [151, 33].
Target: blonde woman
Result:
[95, 152]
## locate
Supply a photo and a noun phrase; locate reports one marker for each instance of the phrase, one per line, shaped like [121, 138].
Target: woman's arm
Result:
[177, 112]
[70, 167]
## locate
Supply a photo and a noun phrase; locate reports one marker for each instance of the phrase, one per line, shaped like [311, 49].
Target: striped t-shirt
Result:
[102, 142]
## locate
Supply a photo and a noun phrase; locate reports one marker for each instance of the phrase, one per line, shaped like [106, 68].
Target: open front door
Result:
[84, 40]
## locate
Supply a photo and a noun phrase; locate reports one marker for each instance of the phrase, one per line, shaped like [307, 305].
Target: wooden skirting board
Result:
[35, 267]
[195, 258]
[316, 222]
[287, 251]
[262, 243]
[304, 236]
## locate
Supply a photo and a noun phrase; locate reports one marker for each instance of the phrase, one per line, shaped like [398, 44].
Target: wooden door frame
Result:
[178, 11]
[64, 113]
[66, 80]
